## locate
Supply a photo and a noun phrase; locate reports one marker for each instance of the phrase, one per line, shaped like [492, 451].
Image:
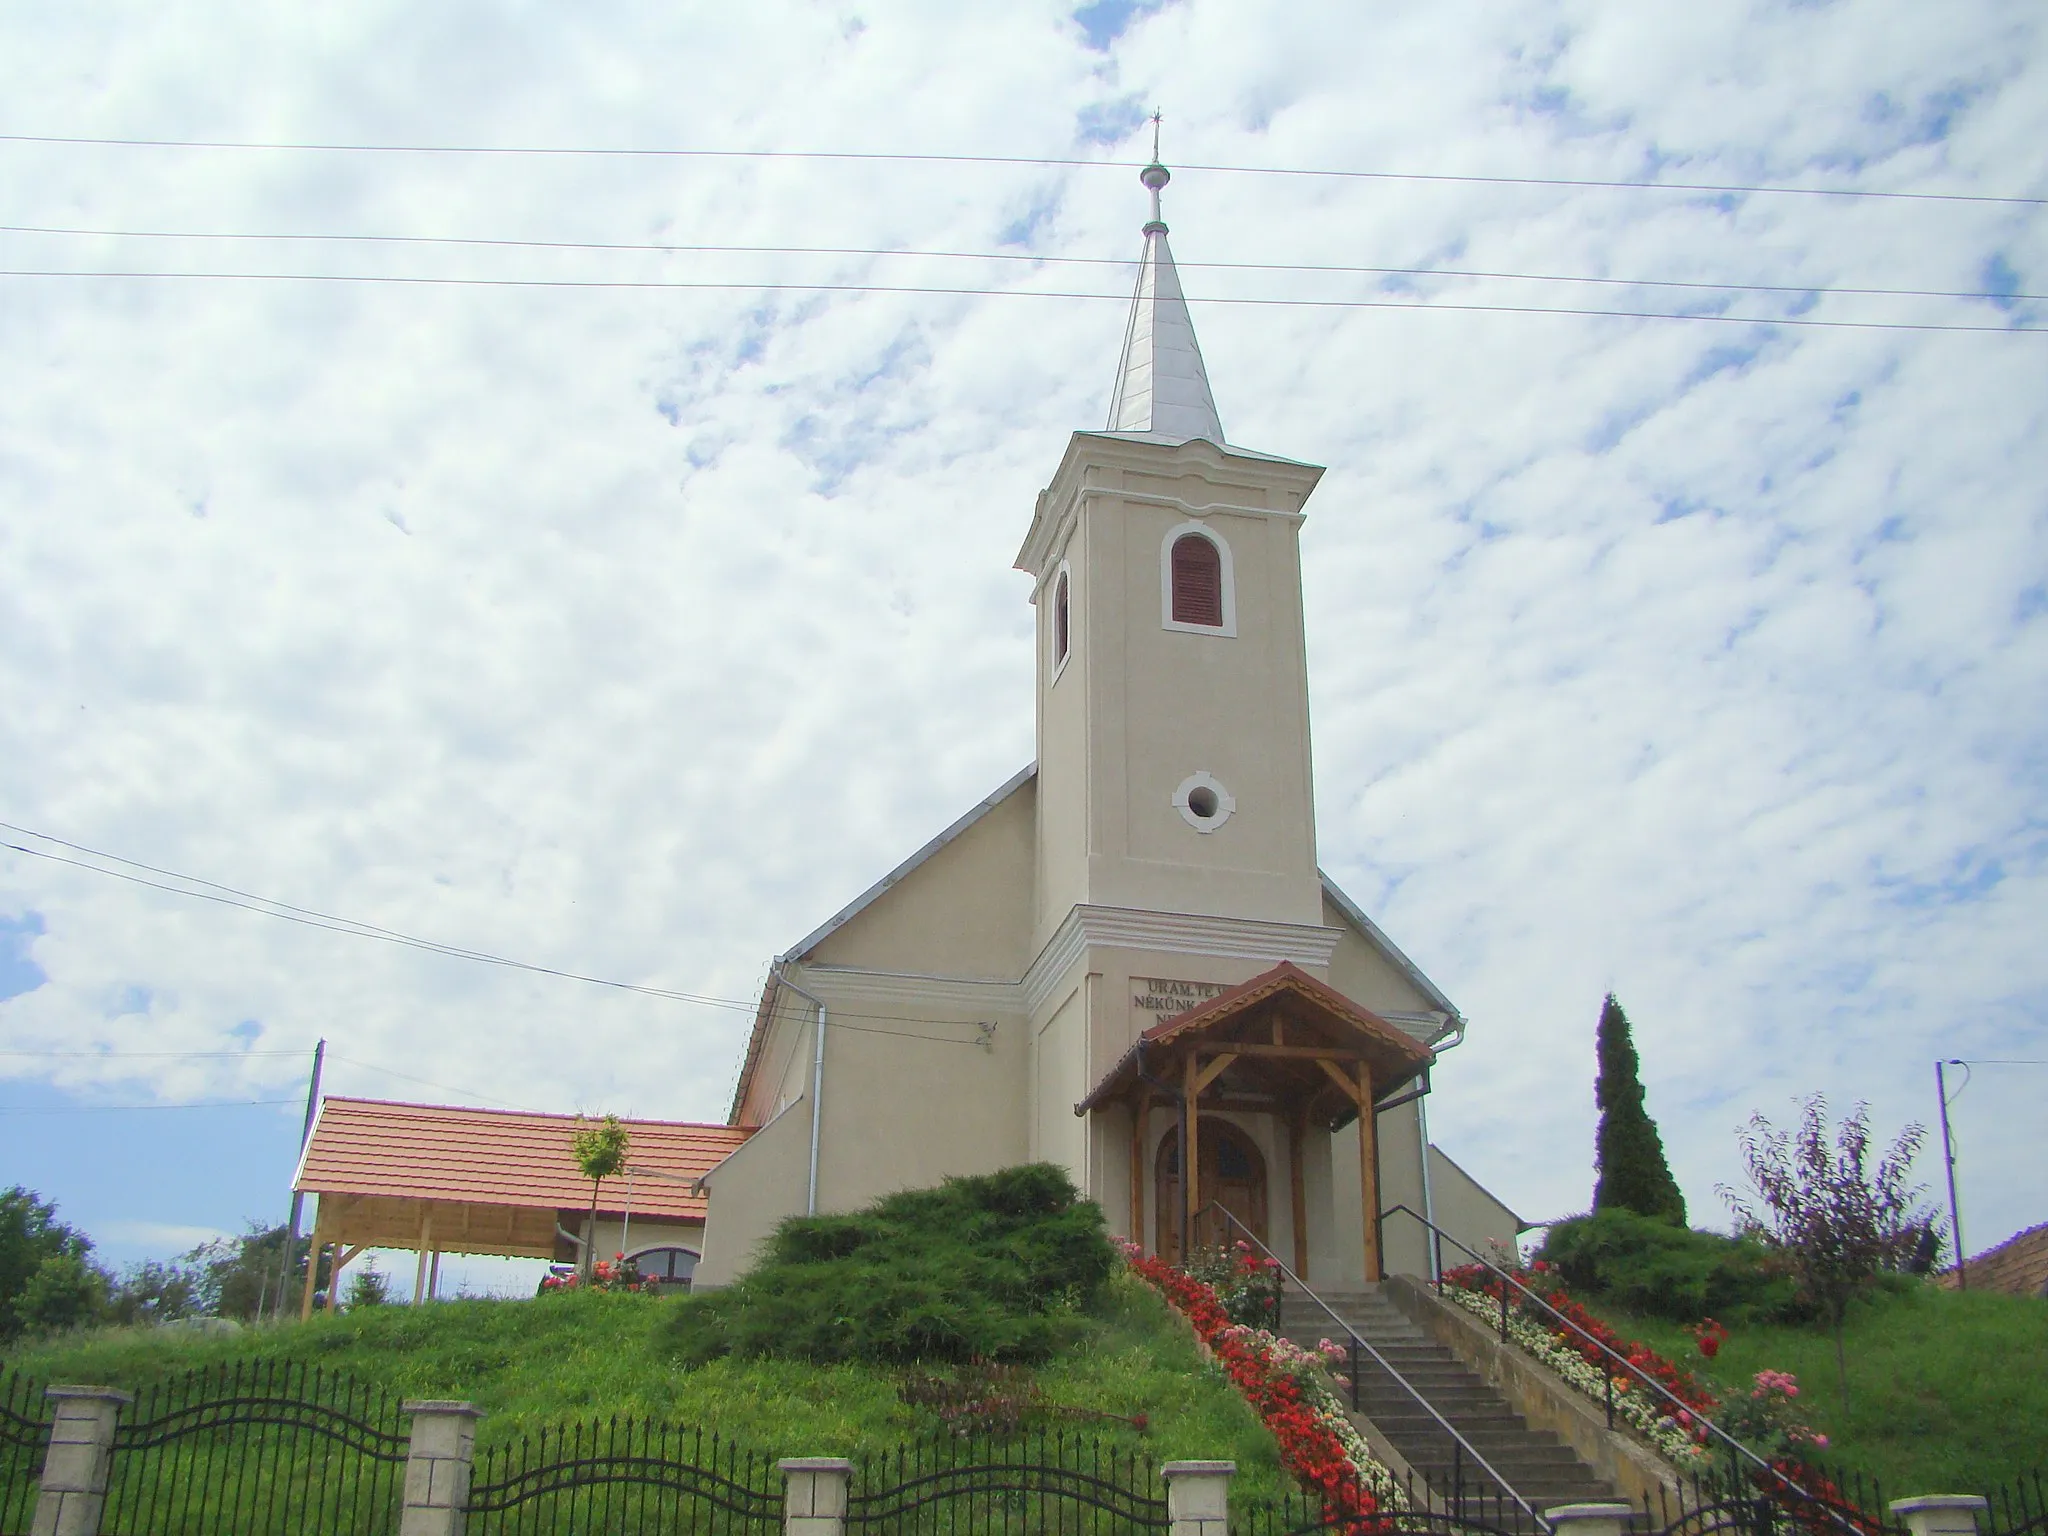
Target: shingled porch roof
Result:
[1276, 999]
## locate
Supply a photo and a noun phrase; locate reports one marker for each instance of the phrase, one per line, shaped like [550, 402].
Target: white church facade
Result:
[1126, 959]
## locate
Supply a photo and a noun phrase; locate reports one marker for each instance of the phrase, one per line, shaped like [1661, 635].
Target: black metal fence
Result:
[1056, 1484]
[624, 1475]
[24, 1433]
[264, 1449]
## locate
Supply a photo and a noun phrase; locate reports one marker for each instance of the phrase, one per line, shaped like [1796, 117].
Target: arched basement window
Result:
[1197, 581]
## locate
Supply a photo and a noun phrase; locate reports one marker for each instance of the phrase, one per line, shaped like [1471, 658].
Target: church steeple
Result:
[1162, 390]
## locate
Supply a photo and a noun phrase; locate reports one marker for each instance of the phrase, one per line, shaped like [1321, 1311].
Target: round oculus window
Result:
[1203, 802]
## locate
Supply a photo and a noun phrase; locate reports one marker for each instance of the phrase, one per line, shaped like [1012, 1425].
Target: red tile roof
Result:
[501, 1157]
[2018, 1266]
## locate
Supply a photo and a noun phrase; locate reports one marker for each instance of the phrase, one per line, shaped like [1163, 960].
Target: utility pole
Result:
[1948, 1156]
[291, 1238]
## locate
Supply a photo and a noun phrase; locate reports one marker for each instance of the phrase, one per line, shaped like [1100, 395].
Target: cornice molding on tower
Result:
[1176, 933]
[1061, 500]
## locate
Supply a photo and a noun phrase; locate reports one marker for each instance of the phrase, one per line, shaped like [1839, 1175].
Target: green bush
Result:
[1651, 1266]
[982, 1268]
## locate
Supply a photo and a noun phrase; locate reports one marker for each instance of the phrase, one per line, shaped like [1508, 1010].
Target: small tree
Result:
[1627, 1151]
[1838, 1221]
[600, 1151]
[368, 1287]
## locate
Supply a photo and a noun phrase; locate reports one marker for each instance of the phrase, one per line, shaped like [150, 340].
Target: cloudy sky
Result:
[451, 558]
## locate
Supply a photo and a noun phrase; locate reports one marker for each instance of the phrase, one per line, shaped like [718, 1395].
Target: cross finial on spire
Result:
[1155, 176]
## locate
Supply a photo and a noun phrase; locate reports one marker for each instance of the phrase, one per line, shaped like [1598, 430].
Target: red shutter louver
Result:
[1197, 582]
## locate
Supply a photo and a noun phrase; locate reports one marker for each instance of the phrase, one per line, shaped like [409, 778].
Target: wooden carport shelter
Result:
[1283, 1044]
[438, 1179]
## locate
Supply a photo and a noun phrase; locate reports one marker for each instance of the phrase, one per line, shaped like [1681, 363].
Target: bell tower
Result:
[1172, 698]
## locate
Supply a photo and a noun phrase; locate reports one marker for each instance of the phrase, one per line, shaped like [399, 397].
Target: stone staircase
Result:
[1540, 1466]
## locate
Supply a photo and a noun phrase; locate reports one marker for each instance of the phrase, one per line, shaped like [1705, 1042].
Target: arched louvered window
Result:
[1060, 621]
[1197, 581]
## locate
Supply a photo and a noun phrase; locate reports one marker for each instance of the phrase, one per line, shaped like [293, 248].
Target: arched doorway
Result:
[1233, 1173]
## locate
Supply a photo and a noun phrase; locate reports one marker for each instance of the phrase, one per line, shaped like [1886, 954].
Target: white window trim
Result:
[1202, 778]
[1052, 625]
[1228, 628]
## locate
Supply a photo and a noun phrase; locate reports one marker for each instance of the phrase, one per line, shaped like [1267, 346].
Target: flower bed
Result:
[1674, 1431]
[1289, 1389]
[1761, 1419]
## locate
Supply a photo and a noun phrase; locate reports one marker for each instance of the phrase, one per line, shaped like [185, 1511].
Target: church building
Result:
[1126, 960]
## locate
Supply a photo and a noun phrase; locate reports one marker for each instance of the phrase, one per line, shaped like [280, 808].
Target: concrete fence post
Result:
[81, 1454]
[1589, 1519]
[1198, 1497]
[1942, 1514]
[814, 1493]
[437, 1465]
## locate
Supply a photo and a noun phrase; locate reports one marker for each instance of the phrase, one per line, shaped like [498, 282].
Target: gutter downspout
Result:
[817, 1082]
[1455, 1026]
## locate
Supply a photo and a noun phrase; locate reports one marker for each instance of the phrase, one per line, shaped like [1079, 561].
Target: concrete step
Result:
[1535, 1464]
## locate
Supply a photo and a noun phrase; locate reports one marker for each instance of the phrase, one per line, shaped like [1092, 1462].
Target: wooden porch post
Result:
[1141, 1109]
[1297, 1138]
[1191, 1161]
[1369, 1173]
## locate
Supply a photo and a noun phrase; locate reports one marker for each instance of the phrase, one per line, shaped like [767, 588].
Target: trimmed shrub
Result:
[1650, 1266]
[981, 1268]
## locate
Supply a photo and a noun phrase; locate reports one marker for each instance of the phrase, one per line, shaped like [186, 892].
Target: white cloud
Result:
[633, 632]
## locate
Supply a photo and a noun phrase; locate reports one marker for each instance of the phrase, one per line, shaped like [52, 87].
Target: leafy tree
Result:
[600, 1151]
[66, 1291]
[154, 1293]
[30, 1235]
[1628, 1152]
[1839, 1222]
[239, 1276]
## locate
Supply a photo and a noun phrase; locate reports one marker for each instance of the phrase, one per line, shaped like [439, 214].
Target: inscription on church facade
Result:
[1164, 997]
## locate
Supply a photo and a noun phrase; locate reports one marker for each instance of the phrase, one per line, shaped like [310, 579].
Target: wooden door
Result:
[1233, 1173]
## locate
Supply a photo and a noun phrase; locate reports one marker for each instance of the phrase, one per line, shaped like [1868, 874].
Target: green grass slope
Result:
[563, 1358]
[1948, 1392]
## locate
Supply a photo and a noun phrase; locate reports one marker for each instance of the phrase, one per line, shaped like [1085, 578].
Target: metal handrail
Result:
[1441, 1237]
[1463, 1445]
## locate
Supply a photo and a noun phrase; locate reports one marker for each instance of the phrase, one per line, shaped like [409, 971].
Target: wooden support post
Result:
[1369, 1173]
[315, 1246]
[434, 1277]
[1191, 1162]
[419, 1273]
[1141, 1112]
[1297, 1149]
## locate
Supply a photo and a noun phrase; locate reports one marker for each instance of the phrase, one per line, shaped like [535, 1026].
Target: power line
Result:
[267, 907]
[1055, 162]
[122, 1109]
[1030, 293]
[138, 1055]
[1033, 258]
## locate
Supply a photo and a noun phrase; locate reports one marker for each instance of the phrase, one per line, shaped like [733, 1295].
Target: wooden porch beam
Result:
[1349, 1088]
[1285, 1052]
[1141, 1113]
[1297, 1180]
[1214, 1070]
[1191, 1161]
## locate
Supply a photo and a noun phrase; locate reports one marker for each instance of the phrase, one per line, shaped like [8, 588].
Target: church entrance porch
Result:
[1233, 1175]
[1283, 1046]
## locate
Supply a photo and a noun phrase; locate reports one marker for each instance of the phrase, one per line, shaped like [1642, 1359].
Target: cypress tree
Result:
[1628, 1152]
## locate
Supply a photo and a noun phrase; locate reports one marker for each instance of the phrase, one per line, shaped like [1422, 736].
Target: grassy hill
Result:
[1948, 1392]
[563, 1358]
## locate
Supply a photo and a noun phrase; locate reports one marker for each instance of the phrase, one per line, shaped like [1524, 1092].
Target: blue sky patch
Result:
[1109, 122]
[1104, 21]
[18, 973]
[2001, 279]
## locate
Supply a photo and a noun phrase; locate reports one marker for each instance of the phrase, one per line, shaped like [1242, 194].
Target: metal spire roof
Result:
[1162, 390]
